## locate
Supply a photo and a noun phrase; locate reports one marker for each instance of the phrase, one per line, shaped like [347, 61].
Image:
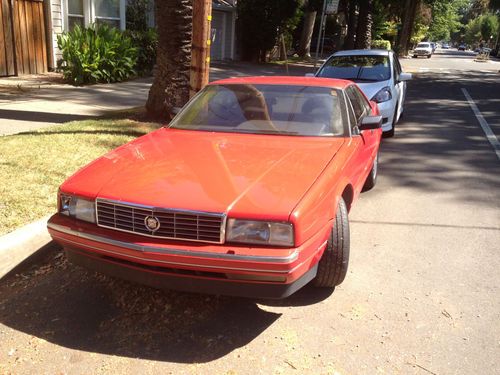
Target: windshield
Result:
[357, 68]
[423, 45]
[264, 109]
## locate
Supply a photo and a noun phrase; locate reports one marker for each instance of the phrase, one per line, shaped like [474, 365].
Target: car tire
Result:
[429, 56]
[371, 180]
[415, 56]
[332, 266]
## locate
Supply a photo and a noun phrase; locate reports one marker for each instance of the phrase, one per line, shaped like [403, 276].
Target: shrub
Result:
[381, 44]
[96, 54]
[145, 42]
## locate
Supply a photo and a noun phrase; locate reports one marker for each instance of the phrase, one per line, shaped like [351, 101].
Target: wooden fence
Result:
[23, 37]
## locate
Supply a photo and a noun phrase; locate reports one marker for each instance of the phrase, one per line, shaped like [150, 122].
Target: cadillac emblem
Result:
[152, 223]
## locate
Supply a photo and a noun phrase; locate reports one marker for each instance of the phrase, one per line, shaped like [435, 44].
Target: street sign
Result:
[332, 6]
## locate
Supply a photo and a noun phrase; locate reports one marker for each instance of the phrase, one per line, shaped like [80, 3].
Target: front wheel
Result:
[429, 56]
[332, 266]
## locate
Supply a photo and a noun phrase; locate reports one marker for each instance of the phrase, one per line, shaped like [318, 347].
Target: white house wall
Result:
[57, 27]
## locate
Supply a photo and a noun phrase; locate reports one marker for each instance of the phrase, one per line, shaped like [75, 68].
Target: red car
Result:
[246, 192]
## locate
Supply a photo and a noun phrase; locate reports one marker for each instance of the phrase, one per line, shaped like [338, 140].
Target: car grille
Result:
[173, 224]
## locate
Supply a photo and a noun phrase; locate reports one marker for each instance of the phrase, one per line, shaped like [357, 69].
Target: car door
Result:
[367, 141]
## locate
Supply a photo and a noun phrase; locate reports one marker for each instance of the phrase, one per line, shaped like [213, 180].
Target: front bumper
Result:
[387, 112]
[204, 268]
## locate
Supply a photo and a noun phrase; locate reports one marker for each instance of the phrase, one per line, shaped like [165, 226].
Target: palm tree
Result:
[170, 87]
[365, 21]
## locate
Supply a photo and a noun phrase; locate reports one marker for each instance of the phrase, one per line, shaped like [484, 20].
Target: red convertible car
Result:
[246, 192]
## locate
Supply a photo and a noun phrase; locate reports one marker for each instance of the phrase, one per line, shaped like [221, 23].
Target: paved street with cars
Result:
[422, 293]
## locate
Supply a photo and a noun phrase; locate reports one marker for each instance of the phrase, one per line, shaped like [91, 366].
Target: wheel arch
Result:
[348, 196]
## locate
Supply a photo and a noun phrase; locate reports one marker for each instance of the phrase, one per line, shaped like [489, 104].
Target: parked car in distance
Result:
[246, 192]
[462, 47]
[423, 49]
[379, 75]
[445, 46]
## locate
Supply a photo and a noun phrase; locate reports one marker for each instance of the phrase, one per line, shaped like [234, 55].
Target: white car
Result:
[379, 75]
[423, 49]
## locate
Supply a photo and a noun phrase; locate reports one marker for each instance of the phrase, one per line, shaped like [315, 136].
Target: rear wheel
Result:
[332, 266]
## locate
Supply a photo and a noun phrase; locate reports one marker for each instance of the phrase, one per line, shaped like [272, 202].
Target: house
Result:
[29, 29]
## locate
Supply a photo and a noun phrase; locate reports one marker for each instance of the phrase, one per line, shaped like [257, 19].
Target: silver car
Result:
[379, 75]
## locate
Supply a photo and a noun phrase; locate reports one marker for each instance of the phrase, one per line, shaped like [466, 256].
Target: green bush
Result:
[96, 54]
[145, 42]
[381, 44]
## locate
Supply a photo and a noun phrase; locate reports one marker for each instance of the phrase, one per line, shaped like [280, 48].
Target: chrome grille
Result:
[174, 224]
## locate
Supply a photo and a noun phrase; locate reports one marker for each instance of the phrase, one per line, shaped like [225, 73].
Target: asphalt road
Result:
[421, 295]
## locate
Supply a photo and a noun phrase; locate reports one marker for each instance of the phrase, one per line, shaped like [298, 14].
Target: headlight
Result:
[383, 95]
[259, 232]
[78, 208]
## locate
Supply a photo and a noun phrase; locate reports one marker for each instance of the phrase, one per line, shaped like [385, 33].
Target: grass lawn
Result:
[34, 164]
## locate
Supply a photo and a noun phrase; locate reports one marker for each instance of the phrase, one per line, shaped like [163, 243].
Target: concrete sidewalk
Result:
[45, 105]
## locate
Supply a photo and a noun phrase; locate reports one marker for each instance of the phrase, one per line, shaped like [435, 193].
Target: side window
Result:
[350, 111]
[356, 104]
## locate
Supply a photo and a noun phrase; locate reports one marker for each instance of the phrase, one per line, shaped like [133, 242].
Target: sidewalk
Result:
[27, 104]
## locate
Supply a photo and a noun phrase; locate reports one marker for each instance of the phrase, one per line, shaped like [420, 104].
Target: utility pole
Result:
[200, 46]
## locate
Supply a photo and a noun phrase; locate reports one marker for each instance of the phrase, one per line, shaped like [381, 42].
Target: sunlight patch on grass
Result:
[34, 164]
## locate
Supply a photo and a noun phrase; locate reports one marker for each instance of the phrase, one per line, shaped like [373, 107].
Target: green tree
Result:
[489, 25]
[261, 21]
[446, 15]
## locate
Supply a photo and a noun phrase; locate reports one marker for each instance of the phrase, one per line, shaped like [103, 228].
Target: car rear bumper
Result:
[205, 268]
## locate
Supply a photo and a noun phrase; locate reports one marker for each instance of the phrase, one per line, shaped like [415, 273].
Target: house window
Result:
[75, 13]
[86, 12]
[107, 11]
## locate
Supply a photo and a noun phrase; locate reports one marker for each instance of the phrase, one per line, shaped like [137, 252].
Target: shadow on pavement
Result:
[439, 144]
[74, 308]
[58, 118]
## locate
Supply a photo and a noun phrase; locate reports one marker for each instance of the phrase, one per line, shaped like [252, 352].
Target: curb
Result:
[17, 246]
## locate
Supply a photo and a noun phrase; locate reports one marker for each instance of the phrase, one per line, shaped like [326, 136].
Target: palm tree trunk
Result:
[351, 26]
[170, 87]
[365, 21]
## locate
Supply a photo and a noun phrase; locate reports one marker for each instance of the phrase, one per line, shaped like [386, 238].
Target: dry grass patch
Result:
[34, 164]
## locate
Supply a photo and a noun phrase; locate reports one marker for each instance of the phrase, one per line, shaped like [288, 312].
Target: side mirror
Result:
[310, 75]
[405, 77]
[370, 122]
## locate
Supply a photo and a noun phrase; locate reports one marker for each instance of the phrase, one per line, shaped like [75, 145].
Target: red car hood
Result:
[216, 172]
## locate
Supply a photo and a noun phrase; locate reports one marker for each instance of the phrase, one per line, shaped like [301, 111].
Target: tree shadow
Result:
[51, 299]
[35, 116]
[439, 144]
